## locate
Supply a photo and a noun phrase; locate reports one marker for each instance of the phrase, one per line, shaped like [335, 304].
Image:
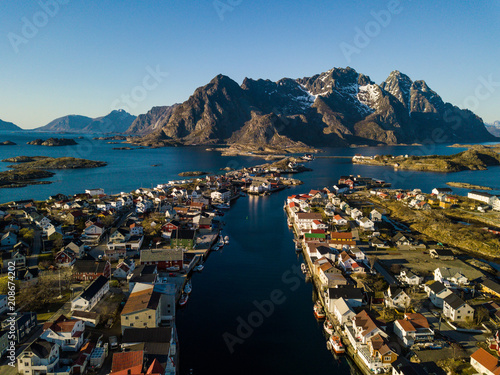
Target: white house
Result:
[355, 213]
[94, 192]
[455, 309]
[413, 328]
[487, 198]
[437, 292]
[339, 220]
[450, 276]
[41, 357]
[342, 311]
[221, 195]
[364, 327]
[67, 333]
[365, 223]
[375, 216]
[396, 297]
[305, 220]
[484, 362]
[91, 295]
[410, 278]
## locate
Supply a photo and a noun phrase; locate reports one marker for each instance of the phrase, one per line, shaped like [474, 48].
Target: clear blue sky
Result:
[85, 55]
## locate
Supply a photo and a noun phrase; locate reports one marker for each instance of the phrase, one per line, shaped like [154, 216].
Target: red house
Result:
[91, 269]
[65, 258]
[164, 259]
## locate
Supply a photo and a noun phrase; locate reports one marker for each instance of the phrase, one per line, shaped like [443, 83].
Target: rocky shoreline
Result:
[53, 142]
[29, 169]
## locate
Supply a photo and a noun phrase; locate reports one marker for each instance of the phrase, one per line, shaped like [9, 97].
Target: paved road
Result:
[36, 249]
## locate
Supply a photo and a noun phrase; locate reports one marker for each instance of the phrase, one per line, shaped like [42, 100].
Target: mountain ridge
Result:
[117, 121]
[339, 107]
[9, 126]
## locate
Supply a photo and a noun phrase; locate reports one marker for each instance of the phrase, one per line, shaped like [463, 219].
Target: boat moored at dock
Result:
[328, 327]
[183, 300]
[335, 344]
[319, 312]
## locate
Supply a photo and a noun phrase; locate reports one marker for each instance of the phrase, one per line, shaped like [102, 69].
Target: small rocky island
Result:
[29, 169]
[8, 143]
[473, 159]
[53, 142]
[192, 174]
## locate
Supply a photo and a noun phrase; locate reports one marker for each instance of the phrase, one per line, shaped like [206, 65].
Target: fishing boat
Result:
[308, 157]
[335, 344]
[183, 300]
[188, 288]
[199, 267]
[328, 327]
[303, 267]
[226, 240]
[222, 206]
[319, 313]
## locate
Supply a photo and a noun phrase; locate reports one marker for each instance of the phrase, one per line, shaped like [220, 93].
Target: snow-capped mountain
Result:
[335, 108]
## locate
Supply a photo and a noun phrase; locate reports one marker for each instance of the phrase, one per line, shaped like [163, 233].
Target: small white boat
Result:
[303, 267]
[183, 300]
[199, 267]
[222, 206]
[226, 240]
[173, 268]
[328, 327]
[188, 288]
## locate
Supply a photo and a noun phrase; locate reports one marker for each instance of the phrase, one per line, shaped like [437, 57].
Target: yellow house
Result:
[433, 201]
[142, 309]
[444, 204]
[490, 287]
[379, 350]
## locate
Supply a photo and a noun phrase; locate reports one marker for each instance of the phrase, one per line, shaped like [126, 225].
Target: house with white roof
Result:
[342, 311]
[67, 333]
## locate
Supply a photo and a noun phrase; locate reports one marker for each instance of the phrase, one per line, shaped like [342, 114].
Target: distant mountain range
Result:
[340, 107]
[4, 125]
[337, 108]
[494, 128]
[117, 121]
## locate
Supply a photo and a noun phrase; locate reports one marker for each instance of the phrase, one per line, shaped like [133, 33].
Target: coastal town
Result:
[391, 298]
[91, 283]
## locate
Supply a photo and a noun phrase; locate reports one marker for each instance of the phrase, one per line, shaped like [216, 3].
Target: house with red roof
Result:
[413, 328]
[67, 333]
[484, 362]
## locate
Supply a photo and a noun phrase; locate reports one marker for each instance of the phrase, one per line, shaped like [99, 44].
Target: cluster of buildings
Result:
[151, 274]
[327, 231]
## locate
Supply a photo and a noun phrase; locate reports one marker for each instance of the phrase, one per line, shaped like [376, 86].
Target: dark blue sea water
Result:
[259, 262]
